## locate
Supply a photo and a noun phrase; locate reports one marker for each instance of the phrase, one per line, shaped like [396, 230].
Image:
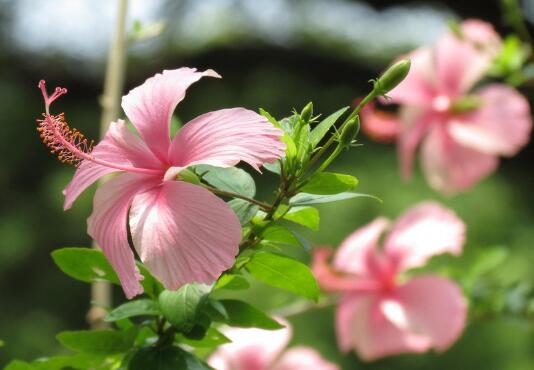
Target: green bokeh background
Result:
[277, 74]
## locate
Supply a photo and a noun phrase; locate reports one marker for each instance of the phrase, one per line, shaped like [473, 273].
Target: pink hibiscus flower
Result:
[381, 314]
[462, 132]
[257, 349]
[182, 232]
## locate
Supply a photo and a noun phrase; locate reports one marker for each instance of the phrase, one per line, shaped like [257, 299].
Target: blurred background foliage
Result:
[274, 54]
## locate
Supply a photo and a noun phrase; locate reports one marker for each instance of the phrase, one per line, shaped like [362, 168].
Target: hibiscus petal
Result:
[423, 231]
[303, 358]
[120, 147]
[381, 126]
[361, 325]
[501, 126]
[450, 167]
[150, 106]
[435, 308]
[334, 281]
[418, 87]
[107, 225]
[415, 124]
[184, 233]
[225, 137]
[355, 251]
[250, 348]
[462, 62]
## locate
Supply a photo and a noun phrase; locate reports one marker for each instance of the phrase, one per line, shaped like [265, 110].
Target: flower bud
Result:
[349, 132]
[392, 77]
[307, 113]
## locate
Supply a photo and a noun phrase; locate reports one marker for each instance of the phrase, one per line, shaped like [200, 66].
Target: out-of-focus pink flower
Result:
[182, 232]
[257, 349]
[381, 314]
[381, 126]
[461, 131]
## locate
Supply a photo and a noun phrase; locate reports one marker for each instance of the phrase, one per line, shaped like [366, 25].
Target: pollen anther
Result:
[66, 142]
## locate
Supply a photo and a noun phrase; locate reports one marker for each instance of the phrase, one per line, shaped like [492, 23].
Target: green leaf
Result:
[279, 234]
[305, 216]
[326, 183]
[231, 282]
[98, 342]
[302, 199]
[273, 167]
[139, 307]
[291, 148]
[76, 361]
[324, 126]
[244, 210]
[288, 124]
[165, 358]
[182, 307]
[244, 315]
[230, 179]
[270, 118]
[150, 284]
[18, 365]
[84, 264]
[284, 273]
[213, 338]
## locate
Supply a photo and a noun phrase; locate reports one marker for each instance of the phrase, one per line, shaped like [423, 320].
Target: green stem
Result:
[330, 159]
[332, 138]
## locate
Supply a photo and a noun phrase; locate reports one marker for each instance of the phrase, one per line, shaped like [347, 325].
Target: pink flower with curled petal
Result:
[258, 349]
[380, 314]
[182, 232]
[461, 131]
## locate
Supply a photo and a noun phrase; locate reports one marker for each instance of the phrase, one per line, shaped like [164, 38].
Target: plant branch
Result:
[332, 138]
[265, 206]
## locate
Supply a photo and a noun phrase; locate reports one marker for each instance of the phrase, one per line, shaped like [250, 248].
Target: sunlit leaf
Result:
[283, 272]
[84, 264]
[305, 216]
[324, 126]
[279, 234]
[307, 199]
[231, 282]
[326, 183]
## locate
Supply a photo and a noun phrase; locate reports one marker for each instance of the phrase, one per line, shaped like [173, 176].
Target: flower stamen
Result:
[69, 144]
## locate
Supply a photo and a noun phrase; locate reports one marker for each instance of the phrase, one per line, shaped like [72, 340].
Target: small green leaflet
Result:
[302, 199]
[324, 126]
